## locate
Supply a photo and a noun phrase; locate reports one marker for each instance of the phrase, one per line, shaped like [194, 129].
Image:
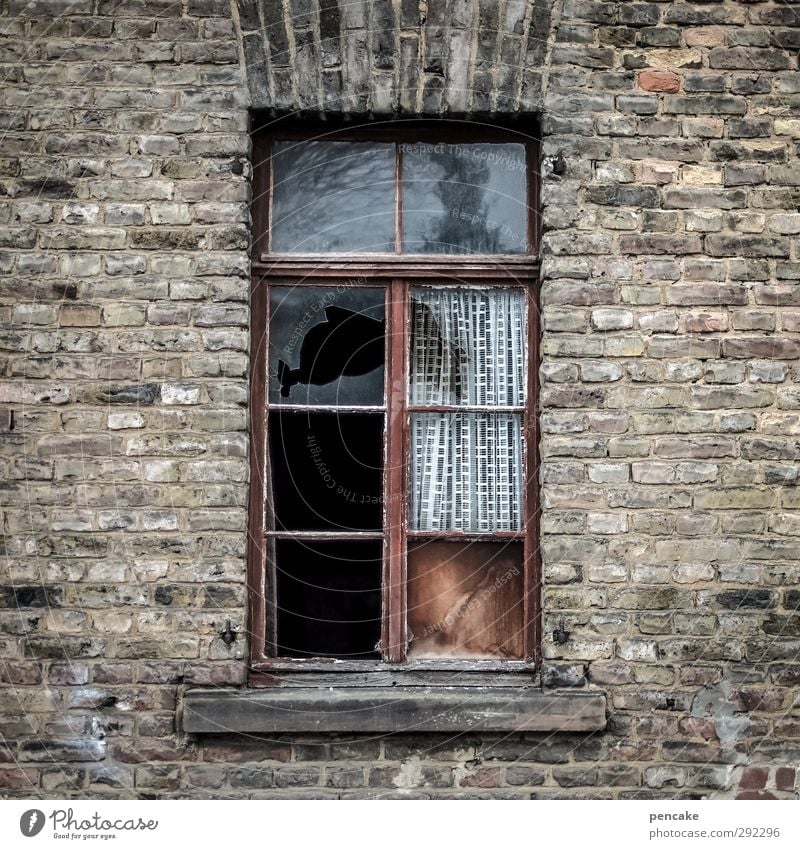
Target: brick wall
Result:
[671, 348]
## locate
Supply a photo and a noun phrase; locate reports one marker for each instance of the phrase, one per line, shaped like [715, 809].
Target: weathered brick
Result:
[670, 413]
[662, 81]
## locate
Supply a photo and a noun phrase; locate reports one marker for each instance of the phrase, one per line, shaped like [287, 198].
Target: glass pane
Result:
[326, 345]
[327, 470]
[466, 472]
[333, 196]
[465, 600]
[329, 598]
[464, 198]
[468, 347]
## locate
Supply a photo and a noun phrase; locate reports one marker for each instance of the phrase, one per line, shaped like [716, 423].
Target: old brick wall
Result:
[669, 399]
[125, 182]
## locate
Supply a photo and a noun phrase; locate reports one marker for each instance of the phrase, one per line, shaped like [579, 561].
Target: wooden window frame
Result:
[396, 273]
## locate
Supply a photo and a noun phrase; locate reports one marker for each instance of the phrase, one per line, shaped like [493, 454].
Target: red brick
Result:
[754, 699]
[246, 751]
[79, 316]
[785, 778]
[766, 347]
[659, 81]
[753, 795]
[754, 778]
[697, 727]
[21, 673]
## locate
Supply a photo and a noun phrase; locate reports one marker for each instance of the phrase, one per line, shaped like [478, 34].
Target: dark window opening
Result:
[329, 599]
[327, 470]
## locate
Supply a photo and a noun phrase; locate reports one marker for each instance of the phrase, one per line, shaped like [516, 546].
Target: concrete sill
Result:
[390, 709]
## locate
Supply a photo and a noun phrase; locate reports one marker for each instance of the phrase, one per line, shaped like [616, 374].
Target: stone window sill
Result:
[391, 709]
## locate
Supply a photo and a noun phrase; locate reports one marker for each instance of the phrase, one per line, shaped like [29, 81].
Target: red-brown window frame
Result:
[396, 272]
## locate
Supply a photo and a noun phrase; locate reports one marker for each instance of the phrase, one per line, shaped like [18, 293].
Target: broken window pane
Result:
[465, 600]
[468, 347]
[333, 196]
[327, 470]
[329, 598]
[466, 472]
[464, 198]
[326, 345]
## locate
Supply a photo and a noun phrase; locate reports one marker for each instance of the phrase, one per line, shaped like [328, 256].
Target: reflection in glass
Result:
[467, 347]
[333, 196]
[326, 345]
[464, 198]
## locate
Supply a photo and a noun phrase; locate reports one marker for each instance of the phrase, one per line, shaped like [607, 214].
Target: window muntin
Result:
[458, 556]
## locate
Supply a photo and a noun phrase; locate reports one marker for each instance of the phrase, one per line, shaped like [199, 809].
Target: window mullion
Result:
[398, 198]
[531, 507]
[395, 477]
[260, 583]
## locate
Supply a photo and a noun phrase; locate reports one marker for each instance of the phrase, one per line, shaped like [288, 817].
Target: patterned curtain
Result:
[468, 348]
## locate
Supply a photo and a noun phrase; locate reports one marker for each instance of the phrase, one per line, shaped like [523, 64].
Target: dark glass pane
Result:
[464, 198]
[326, 345]
[329, 598]
[465, 600]
[327, 470]
[333, 196]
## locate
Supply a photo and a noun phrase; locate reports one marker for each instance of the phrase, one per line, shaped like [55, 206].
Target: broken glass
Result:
[326, 345]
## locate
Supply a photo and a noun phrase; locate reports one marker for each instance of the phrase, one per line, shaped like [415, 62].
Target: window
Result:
[394, 350]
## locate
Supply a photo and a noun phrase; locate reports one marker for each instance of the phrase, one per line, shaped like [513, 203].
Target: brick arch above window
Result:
[423, 57]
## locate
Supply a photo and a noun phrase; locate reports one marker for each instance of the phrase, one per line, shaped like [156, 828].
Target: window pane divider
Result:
[468, 536]
[394, 638]
[323, 408]
[462, 408]
[325, 535]
[502, 270]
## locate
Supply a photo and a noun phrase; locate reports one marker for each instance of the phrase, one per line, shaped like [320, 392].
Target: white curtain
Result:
[468, 348]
